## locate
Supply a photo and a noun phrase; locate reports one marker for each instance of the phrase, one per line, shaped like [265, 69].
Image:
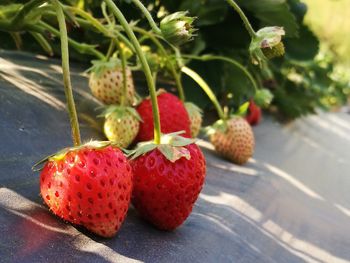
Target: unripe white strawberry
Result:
[235, 141]
[195, 114]
[106, 83]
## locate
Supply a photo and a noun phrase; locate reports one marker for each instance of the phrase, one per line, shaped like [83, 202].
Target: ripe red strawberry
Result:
[195, 115]
[173, 117]
[89, 187]
[121, 125]
[106, 83]
[254, 114]
[236, 141]
[164, 191]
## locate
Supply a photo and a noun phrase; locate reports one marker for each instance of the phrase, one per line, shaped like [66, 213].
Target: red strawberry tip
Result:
[171, 146]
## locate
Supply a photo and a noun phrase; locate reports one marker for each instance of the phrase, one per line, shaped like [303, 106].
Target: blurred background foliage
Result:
[312, 74]
[329, 19]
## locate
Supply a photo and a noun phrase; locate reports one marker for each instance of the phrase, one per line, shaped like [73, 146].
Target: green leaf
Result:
[209, 12]
[305, 47]
[298, 8]
[212, 72]
[237, 85]
[272, 13]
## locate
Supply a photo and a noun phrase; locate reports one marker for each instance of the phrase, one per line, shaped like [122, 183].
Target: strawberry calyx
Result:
[219, 125]
[172, 146]
[120, 111]
[193, 108]
[100, 66]
[60, 155]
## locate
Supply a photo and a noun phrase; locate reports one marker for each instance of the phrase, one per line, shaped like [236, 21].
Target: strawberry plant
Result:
[257, 51]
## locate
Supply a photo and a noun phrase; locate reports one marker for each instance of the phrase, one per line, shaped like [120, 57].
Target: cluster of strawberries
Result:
[92, 185]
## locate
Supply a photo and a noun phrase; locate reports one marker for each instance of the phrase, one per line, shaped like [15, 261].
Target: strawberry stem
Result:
[123, 100]
[42, 42]
[88, 21]
[246, 22]
[110, 49]
[226, 59]
[82, 48]
[152, 90]
[66, 74]
[148, 16]
[201, 82]
[164, 53]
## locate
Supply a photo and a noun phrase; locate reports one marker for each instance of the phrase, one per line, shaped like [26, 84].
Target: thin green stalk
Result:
[18, 20]
[246, 22]
[66, 74]
[226, 59]
[123, 101]
[148, 16]
[119, 15]
[164, 53]
[105, 14]
[42, 42]
[201, 82]
[17, 39]
[80, 47]
[110, 49]
[98, 25]
[94, 22]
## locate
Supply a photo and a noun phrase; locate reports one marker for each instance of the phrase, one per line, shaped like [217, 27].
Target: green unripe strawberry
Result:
[267, 44]
[121, 125]
[275, 51]
[195, 114]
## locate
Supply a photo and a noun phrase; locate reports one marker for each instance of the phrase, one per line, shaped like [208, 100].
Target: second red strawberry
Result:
[173, 117]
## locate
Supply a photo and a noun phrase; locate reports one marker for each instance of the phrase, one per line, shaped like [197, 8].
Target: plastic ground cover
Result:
[290, 203]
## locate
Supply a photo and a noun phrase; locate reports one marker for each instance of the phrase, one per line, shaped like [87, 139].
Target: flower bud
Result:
[263, 98]
[267, 44]
[177, 28]
[270, 36]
